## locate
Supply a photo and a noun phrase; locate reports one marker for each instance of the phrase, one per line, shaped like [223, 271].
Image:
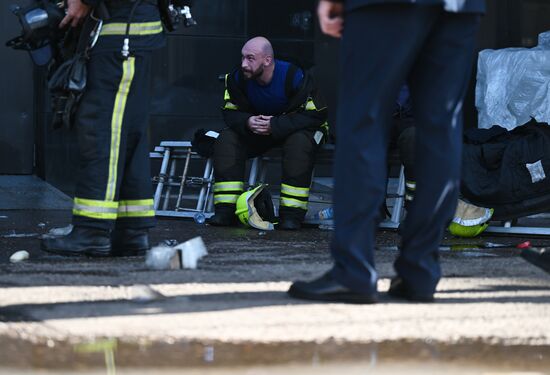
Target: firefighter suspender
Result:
[289, 81]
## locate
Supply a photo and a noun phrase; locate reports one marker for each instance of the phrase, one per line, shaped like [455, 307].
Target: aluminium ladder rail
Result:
[171, 152]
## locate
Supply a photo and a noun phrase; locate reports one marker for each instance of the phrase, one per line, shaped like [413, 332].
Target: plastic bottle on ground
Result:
[326, 214]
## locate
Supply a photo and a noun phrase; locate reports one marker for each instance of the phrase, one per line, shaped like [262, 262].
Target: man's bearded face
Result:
[252, 65]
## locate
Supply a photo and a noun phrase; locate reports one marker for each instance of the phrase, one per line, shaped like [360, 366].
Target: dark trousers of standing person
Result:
[382, 47]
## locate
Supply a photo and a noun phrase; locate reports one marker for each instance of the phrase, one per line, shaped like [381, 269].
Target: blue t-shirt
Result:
[271, 99]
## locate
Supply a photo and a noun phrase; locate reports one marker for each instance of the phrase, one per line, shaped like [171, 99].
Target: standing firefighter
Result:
[268, 103]
[113, 205]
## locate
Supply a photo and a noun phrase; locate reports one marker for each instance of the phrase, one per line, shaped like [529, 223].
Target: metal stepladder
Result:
[395, 191]
[193, 193]
[177, 193]
[395, 198]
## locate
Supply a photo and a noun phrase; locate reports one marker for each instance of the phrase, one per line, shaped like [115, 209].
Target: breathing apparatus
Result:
[65, 51]
[40, 29]
[41, 35]
[173, 12]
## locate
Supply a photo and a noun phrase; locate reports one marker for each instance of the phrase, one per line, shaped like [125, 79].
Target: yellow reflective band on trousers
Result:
[136, 208]
[226, 198]
[105, 210]
[411, 185]
[294, 191]
[294, 203]
[228, 186]
[136, 28]
[128, 69]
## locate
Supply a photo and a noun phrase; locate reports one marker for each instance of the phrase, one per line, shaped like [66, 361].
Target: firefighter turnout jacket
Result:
[306, 108]
[299, 129]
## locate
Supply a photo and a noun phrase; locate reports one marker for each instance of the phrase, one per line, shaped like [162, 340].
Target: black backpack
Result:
[508, 170]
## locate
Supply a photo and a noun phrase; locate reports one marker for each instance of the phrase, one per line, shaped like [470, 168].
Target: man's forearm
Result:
[236, 120]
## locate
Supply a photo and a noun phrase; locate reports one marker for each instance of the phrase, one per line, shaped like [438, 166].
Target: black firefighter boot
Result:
[82, 241]
[127, 242]
[224, 216]
[290, 218]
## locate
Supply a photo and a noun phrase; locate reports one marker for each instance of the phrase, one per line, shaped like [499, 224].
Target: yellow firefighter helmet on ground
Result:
[470, 220]
[255, 208]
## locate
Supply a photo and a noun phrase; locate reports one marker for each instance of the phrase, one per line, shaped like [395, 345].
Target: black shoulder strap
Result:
[84, 39]
[289, 81]
[241, 82]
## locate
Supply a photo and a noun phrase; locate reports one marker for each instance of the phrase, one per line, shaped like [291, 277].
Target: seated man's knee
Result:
[299, 144]
[228, 139]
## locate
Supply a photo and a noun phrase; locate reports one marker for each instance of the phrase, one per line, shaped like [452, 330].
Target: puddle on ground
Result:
[409, 368]
[110, 356]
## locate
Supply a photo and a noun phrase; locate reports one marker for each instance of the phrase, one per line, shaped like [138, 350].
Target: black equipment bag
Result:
[66, 86]
[508, 170]
[68, 79]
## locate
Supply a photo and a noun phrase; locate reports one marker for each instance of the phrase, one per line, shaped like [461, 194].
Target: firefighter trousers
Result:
[113, 179]
[231, 151]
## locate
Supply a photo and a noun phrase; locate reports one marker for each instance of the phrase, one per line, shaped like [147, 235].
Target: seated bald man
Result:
[268, 103]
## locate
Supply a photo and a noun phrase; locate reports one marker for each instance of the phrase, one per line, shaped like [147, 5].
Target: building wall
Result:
[186, 90]
[16, 102]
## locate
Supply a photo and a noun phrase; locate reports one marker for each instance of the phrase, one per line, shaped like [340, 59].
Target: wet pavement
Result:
[315, 368]
[492, 309]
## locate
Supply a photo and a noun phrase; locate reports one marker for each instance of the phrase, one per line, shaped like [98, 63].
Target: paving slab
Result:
[69, 313]
[31, 193]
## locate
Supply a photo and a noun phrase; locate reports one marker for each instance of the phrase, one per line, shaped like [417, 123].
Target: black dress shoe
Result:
[400, 289]
[539, 258]
[289, 223]
[81, 241]
[326, 288]
[129, 242]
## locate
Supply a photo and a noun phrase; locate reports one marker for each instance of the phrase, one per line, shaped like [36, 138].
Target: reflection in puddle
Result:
[409, 368]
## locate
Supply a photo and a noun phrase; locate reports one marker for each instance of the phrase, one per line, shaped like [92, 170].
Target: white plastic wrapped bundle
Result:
[160, 258]
[544, 40]
[183, 255]
[513, 85]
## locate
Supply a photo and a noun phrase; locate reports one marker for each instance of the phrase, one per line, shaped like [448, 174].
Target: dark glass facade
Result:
[186, 91]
